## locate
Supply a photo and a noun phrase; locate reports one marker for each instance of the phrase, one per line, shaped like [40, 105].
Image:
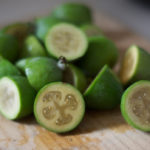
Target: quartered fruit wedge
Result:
[59, 107]
[135, 105]
[135, 65]
[66, 40]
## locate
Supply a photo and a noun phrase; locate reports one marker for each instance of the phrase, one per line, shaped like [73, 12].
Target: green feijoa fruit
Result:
[76, 13]
[59, 107]
[135, 104]
[66, 40]
[135, 65]
[105, 90]
[91, 30]
[32, 48]
[21, 64]
[43, 25]
[9, 47]
[101, 51]
[7, 68]
[19, 30]
[75, 76]
[17, 97]
[41, 71]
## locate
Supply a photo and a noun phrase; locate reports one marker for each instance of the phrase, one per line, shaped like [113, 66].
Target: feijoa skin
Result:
[91, 30]
[7, 68]
[101, 51]
[75, 76]
[43, 25]
[75, 13]
[105, 91]
[135, 65]
[9, 47]
[59, 107]
[67, 40]
[41, 71]
[32, 47]
[17, 97]
[21, 64]
[135, 104]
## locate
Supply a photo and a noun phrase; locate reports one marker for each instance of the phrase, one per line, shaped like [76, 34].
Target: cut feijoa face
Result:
[66, 40]
[59, 107]
[105, 90]
[135, 65]
[135, 105]
[16, 97]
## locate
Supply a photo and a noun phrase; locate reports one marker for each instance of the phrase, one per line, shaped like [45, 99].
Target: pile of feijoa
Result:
[58, 65]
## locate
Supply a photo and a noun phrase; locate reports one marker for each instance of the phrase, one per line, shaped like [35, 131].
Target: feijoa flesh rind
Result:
[59, 107]
[135, 104]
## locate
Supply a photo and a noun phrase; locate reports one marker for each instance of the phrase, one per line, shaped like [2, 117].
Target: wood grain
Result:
[99, 130]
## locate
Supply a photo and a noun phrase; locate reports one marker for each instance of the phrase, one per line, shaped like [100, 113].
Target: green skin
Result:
[101, 51]
[105, 90]
[42, 70]
[7, 68]
[91, 30]
[32, 48]
[19, 30]
[26, 94]
[74, 13]
[124, 111]
[79, 78]
[37, 99]
[9, 47]
[22, 63]
[43, 25]
[141, 72]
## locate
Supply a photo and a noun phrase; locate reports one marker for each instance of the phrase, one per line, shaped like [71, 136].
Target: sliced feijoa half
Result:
[66, 40]
[32, 47]
[135, 105]
[59, 107]
[21, 64]
[91, 30]
[7, 68]
[75, 76]
[105, 90]
[135, 65]
[76, 13]
[41, 71]
[9, 47]
[16, 97]
[43, 25]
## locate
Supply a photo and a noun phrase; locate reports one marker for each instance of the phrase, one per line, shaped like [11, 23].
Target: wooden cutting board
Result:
[100, 130]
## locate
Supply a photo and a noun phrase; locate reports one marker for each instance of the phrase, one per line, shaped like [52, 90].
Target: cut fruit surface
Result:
[105, 90]
[135, 105]
[59, 107]
[66, 40]
[135, 65]
[16, 97]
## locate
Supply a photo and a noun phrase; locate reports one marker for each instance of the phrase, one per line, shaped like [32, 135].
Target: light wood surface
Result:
[100, 130]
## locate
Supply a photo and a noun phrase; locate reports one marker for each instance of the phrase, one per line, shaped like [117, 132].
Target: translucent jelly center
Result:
[128, 65]
[54, 103]
[140, 104]
[65, 40]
